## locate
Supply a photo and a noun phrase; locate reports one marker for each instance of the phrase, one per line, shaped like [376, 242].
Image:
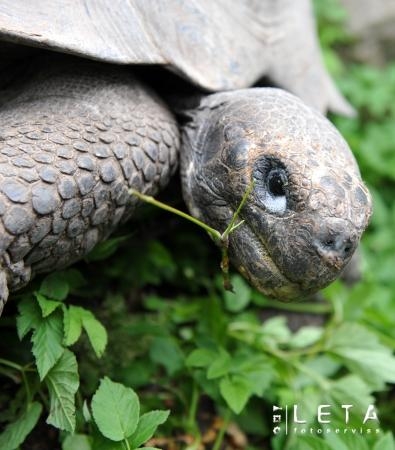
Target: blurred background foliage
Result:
[220, 361]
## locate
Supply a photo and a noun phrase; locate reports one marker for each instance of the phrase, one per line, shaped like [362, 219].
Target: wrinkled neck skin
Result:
[308, 207]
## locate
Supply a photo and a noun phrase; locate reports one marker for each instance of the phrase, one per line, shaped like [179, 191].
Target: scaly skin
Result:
[299, 240]
[78, 135]
[72, 141]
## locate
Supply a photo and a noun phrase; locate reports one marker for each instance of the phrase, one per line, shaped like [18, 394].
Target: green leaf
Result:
[76, 442]
[362, 352]
[200, 357]
[115, 409]
[306, 336]
[72, 325]
[102, 443]
[76, 318]
[47, 342]
[235, 392]
[150, 448]
[241, 297]
[47, 306]
[220, 366]
[166, 351]
[350, 441]
[255, 370]
[97, 334]
[15, 433]
[29, 316]
[351, 389]
[55, 286]
[147, 426]
[386, 442]
[312, 443]
[62, 382]
[105, 249]
[73, 278]
[275, 331]
[335, 442]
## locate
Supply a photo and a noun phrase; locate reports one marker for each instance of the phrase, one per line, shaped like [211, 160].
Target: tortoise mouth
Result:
[291, 289]
[253, 259]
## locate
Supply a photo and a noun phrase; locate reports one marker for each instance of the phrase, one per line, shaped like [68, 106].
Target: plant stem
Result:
[19, 368]
[225, 266]
[215, 234]
[193, 407]
[6, 362]
[221, 239]
[127, 445]
[321, 381]
[221, 434]
[27, 388]
[231, 227]
[224, 241]
[10, 374]
[287, 359]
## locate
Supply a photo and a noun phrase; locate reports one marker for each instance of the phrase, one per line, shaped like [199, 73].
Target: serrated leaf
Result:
[235, 392]
[55, 286]
[97, 334]
[76, 442]
[115, 409]
[351, 389]
[72, 325]
[255, 370]
[200, 357]
[15, 433]
[353, 441]
[361, 350]
[147, 426]
[62, 382]
[47, 342]
[47, 306]
[29, 316]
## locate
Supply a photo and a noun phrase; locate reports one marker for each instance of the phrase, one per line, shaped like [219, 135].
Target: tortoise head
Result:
[308, 206]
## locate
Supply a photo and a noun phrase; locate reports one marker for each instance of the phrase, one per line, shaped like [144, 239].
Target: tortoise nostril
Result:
[339, 244]
[329, 243]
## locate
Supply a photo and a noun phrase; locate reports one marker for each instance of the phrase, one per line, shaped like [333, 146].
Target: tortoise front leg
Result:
[73, 141]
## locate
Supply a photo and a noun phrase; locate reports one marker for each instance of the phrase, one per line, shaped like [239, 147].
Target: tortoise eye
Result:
[276, 182]
[271, 180]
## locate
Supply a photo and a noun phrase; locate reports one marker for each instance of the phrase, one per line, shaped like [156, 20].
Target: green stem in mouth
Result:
[221, 239]
[215, 234]
[224, 242]
[232, 224]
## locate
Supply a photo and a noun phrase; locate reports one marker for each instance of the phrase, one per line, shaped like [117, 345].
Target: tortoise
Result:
[77, 132]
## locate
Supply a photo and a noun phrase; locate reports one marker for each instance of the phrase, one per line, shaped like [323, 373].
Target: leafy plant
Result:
[116, 411]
